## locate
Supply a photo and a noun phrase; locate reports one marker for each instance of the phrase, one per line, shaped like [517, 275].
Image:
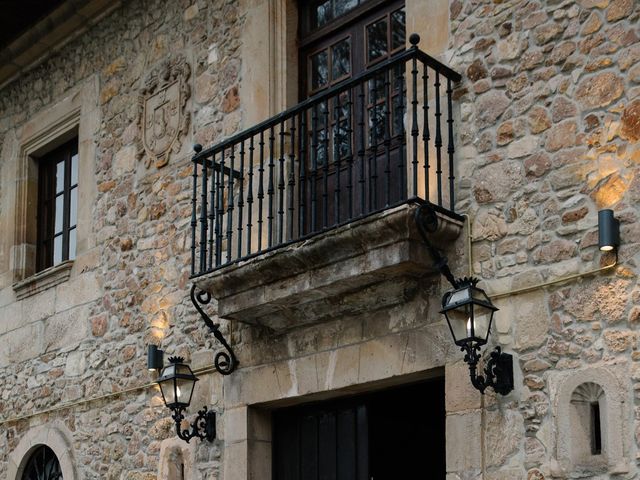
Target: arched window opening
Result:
[175, 465]
[588, 402]
[42, 465]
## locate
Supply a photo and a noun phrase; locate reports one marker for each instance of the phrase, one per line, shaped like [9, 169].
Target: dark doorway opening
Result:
[388, 435]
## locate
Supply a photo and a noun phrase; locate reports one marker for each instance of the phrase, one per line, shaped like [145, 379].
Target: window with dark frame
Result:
[57, 205]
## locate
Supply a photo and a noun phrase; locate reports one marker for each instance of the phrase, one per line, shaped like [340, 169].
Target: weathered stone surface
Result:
[599, 90]
[537, 165]
[539, 120]
[619, 9]
[489, 107]
[489, 225]
[476, 71]
[562, 108]
[630, 122]
[592, 24]
[497, 181]
[523, 147]
[555, 251]
[561, 136]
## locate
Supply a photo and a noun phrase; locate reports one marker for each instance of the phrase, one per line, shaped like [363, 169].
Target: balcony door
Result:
[355, 157]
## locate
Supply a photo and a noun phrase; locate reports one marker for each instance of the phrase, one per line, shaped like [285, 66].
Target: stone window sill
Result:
[43, 280]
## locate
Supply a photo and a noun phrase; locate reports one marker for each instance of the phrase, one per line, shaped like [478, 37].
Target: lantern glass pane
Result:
[184, 389]
[460, 321]
[168, 392]
[458, 296]
[482, 321]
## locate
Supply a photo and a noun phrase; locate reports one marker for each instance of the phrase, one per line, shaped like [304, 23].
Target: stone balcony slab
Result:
[368, 264]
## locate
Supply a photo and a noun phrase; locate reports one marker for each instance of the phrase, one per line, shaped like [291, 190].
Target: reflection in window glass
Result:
[323, 14]
[72, 244]
[341, 59]
[59, 213]
[59, 177]
[332, 9]
[376, 125]
[57, 250]
[397, 29]
[319, 70]
[377, 40]
[340, 7]
[73, 211]
[74, 169]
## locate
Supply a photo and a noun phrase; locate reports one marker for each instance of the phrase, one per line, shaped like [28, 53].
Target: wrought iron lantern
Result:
[177, 382]
[469, 313]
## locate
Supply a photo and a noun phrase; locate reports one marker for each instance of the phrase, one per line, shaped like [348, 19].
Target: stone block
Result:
[460, 395]
[11, 317]
[21, 344]
[78, 291]
[236, 461]
[462, 454]
[235, 427]
[39, 306]
[531, 320]
[66, 328]
[76, 364]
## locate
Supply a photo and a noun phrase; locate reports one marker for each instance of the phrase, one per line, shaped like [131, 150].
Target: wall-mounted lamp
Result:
[608, 231]
[155, 358]
[176, 384]
[177, 380]
[469, 313]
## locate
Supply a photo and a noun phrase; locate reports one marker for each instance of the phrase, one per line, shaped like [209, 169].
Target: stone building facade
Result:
[547, 128]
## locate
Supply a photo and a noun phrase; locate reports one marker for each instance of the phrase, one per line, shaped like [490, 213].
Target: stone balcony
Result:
[368, 264]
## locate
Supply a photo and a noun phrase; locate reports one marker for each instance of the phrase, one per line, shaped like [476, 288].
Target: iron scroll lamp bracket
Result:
[468, 302]
[224, 362]
[203, 427]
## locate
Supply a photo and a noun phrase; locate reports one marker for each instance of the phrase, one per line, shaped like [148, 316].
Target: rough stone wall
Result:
[88, 335]
[549, 136]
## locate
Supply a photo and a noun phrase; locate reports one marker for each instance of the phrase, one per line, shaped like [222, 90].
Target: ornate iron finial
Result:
[176, 359]
[467, 281]
[197, 148]
[414, 39]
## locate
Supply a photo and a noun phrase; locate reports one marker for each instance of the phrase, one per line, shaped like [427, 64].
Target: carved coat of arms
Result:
[164, 119]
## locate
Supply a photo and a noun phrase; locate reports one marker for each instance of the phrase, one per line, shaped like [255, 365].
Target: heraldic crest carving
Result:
[164, 119]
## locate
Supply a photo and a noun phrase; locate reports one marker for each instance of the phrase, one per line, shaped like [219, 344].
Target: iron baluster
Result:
[314, 165]
[426, 134]
[337, 155]
[203, 217]
[373, 135]
[212, 211]
[438, 139]
[230, 204]
[241, 199]
[281, 184]
[194, 222]
[325, 166]
[260, 190]
[221, 212]
[387, 137]
[414, 122]
[399, 115]
[349, 146]
[302, 183]
[250, 197]
[361, 143]
[218, 220]
[270, 189]
[450, 147]
[292, 179]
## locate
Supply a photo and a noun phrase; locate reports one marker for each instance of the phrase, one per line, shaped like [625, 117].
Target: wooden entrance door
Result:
[339, 40]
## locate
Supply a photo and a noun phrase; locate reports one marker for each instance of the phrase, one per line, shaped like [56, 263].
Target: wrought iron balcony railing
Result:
[367, 144]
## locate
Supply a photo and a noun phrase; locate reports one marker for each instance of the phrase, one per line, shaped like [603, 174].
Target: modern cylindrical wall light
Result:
[608, 231]
[155, 358]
